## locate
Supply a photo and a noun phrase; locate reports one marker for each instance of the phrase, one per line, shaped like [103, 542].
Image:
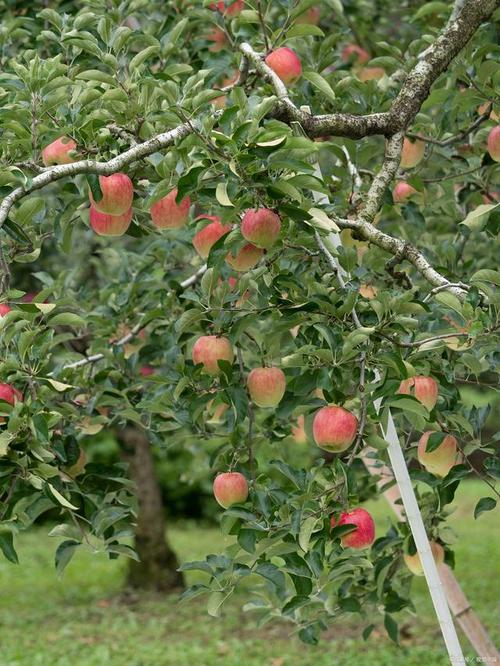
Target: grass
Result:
[80, 620]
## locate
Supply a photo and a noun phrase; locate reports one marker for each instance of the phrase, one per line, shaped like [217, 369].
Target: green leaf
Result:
[60, 498]
[95, 188]
[142, 56]
[7, 547]
[435, 440]
[66, 319]
[321, 84]
[222, 196]
[476, 220]
[484, 504]
[486, 275]
[64, 553]
[391, 626]
[306, 530]
[96, 75]
[13, 230]
[5, 439]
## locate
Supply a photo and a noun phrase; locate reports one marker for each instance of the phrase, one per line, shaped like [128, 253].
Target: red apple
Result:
[219, 39]
[285, 63]
[230, 488]
[402, 191]
[261, 227]
[146, 370]
[364, 535]
[354, 52]
[311, 16]
[494, 143]
[209, 349]
[10, 394]
[109, 225]
[209, 235]
[412, 153]
[334, 428]
[233, 9]
[58, 152]
[4, 309]
[117, 194]
[441, 460]
[167, 214]
[247, 258]
[415, 565]
[425, 390]
[371, 73]
[266, 386]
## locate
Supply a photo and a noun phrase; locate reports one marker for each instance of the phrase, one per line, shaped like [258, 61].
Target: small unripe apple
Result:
[412, 153]
[285, 63]
[334, 428]
[4, 309]
[415, 565]
[363, 536]
[109, 225]
[167, 214]
[230, 488]
[233, 9]
[441, 460]
[117, 194]
[266, 386]
[248, 257]
[209, 350]
[299, 430]
[59, 152]
[209, 235]
[371, 73]
[425, 389]
[311, 16]
[261, 227]
[494, 143]
[353, 52]
[402, 191]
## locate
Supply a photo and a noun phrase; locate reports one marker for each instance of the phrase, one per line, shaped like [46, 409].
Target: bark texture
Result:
[157, 569]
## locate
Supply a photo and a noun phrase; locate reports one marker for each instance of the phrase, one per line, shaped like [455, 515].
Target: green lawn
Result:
[81, 621]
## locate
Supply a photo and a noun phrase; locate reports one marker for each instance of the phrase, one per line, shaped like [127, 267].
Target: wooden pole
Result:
[459, 604]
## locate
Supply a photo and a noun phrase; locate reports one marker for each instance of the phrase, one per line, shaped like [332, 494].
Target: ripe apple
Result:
[219, 39]
[209, 349]
[415, 565]
[441, 460]
[146, 370]
[209, 235]
[10, 395]
[230, 488]
[425, 389]
[364, 535]
[59, 152]
[354, 52]
[109, 225]
[412, 153]
[4, 309]
[261, 227]
[246, 258]
[494, 143]
[233, 9]
[266, 386]
[402, 191]
[285, 63]
[311, 16]
[117, 194]
[334, 428]
[368, 291]
[167, 214]
[370, 73]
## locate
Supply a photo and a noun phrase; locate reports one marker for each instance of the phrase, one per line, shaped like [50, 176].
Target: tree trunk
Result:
[157, 568]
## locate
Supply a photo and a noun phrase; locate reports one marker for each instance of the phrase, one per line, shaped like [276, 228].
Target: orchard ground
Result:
[85, 620]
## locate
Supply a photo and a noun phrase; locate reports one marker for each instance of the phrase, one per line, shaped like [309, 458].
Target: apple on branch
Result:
[425, 389]
[59, 152]
[494, 143]
[412, 153]
[261, 227]
[246, 258]
[117, 194]
[414, 563]
[4, 309]
[105, 224]
[230, 488]
[285, 63]
[9, 394]
[266, 386]
[208, 350]
[402, 191]
[209, 235]
[364, 534]
[441, 459]
[334, 428]
[168, 214]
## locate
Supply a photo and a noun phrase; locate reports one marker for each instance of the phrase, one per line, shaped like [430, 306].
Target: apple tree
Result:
[258, 227]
